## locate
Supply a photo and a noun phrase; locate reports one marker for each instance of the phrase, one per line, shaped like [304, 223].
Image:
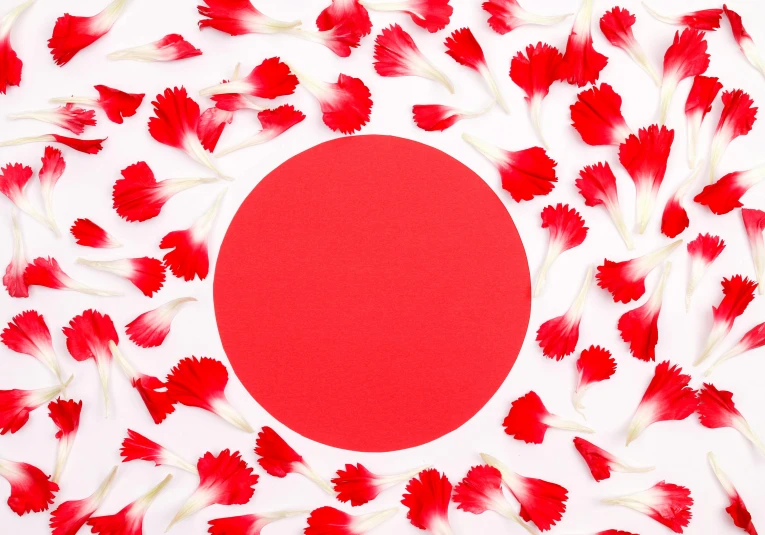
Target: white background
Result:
[677, 449]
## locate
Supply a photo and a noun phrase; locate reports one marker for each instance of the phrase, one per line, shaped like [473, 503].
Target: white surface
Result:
[677, 449]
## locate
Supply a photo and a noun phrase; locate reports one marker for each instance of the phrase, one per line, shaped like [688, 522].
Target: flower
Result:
[737, 118]
[744, 40]
[674, 219]
[754, 224]
[436, 117]
[704, 19]
[753, 339]
[273, 123]
[725, 194]
[46, 272]
[116, 104]
[251, 524]
[326, 520]
[146, 274]
[15, 405]
[271, 79]
[68, 117]
[13, 278]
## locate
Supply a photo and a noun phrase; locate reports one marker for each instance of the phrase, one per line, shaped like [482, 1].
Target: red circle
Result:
[372, 293]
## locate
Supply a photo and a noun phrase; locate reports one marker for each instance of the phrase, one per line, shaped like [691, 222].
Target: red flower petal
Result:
[462, 46]
[129, 520]
[72, 33]
[435, 117]
[69, 117]
[358, 485]
[46, 272]
[529, 420]
[737, 118]
[153, 392]
[211, 125]
[567, 230]
[674, 219]
[347, 12]
[273, 124]
[278, 458]
[146, 274]
[616, 25]
[686, 56]
[396, 54]
[754, 224]
[345, 105]
[744, 40]
[331, 521]
[507, 15]
[737, 508]
[117, 104]
[581, 62]
[699, 102]
[88, 234]
[639, 327]
[626, 280]
[13, 278]
[86, 146]
[481, 491]
[10, 64]
[525, 174]
[558, 337]
[172, 47]
[137, 447]
[433, 15]
[31, 489]
[72, 515]
[704, 19]
[239, 17]
[65, 414]
[427, 499]
[725, 195]
[594, 365]
[28, 334]
[668, 397]
[597, 116]
[716, 409]
[600, 462]
[151, 328]
[702, 251]
[597, 185]
[15, 405]
[271, 79]
[666, 503]
[247, 524]
[341, 39]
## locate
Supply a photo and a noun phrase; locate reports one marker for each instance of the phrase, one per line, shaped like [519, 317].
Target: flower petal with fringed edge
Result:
[716, 409]
[273, 123]
[68, 117]
[738, 292]
[331, 521]
[597, 185]
[625, 281]
[396, 54]
[616, 25]
[13, 278]
[507, 15]
[558, 336]
[271, 79]
[744, 40]
[239, 17]
[88, 234]
[753, 339]
[594, 365]
[725, 195]
[172, 47]
[129, 520]
[53, 166]
[737, 118]
[136, 447]
[433, 15]
[278, 459]
[699, 102]
[72, 515]
[601, 463]
[427, 499]
[146, 274]
[31, 490]
[65, 414]
[597, 116]
[47, 273]
[667, 397]
[686, 57]
[13, 182]
[10, 64]
[525, 174]
[15, 405]
[566, 228]
[251, 524]
[224, 479]
[86, 146]
[463, 48]
[346, 12]
[529, 420]
[704, 19]
[437, 117]
[116, 104]
[73, 33]
[737, 508]
[581, 62]
[341, 39]
[754, 224]
[674, 219]
[702, 251]
[542, 502]
[28, 334]
[151, 328]
[87, 337]
[357, 485]
[666, 503]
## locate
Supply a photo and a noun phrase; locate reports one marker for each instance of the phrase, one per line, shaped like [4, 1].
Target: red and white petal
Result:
[601, 463]
[597, 185]
[47, 273]
[463, 48]
[357, 485]
[725, 195]
[201, 383]
[525, 174]
[69, 117]
[72, 33]
[668, 397]
[597, 116]
[753, 339]
[687, 56]
[146, 274]
[10, 64]
[273, 124]
[616, 25]
[558, 337]
[341, 39]
[737, 118]
[581, 62]
[88, 234]
[626, 280]
[151, 328]
[594, 365]
[13, 278]
[31, 490]
[129, 520]
[396, 54]
[13, 181]
[737, 508]
[251, 524]
[702, 252]
[65, 414]
[172, 47]
[433, 15]
[437, 117]
[699, 102]
[639, 327]
[86, 146]
[529, 420]
[507, 15]
[15, 405]
[278, 458]
[566, 229]
[326, 520]
[716, 409]
[53, 166]
[427, 499]
[137, 447]
[72, 515]
[347, 12]
[674, 219]
[211, 125]
[754, 224]
[666, 503]
[239, 17]
[744, 40]
[28, 334]
[271, 79]
[704, 19]
[224, 479]
[738, 292]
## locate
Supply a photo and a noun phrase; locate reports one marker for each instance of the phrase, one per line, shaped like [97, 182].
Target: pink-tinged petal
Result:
[601, 463]
[73, 33]
[13, 180]
[725, 195]
[28, 334]
[224, 479]
[15, 405]
[341, 39]
[347, 12]
[271, 79]
[595, 364]
[65, 414]
[737, 118]
[172, 47]
[433, 15]
[716, 410]
[558, 336]
[639, 327]
[567, 230]
[686, 57]
[542, 502]
[87, 337]
[427, 500]
[211, 125]
[737, 508]
[151, 328]
[463, 48]
[137, 447]
[251, 524]
[668, 397]
[702, 252]
[754, 224]
[437, 117]
[239, 17]
[666, 503]
[645, 158]
[616, 25]
[396, 54]
[72, 515]
[86, 146]
[189, 256]
[13, 278]
[47, 273]
[581, 62]
[278, 459]
[201, 383]
[625, 281]
[328, 520]
[597, 116]
[744, 40]
[53, 166]
[116, 104]
[10, 64]
[597, 185]
[357, 485]
[129, 520]
[88, 234]
[146, 274]
[674, 219]
[507, 15]
[529, 420]
[68, 117]
[738, 292]
[704, 19]
[753, 339]
[273, 123]
[525, 173]
[31, 490]
[699, 102]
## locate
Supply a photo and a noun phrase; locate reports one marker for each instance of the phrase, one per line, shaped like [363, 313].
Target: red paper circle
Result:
[372, 293]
